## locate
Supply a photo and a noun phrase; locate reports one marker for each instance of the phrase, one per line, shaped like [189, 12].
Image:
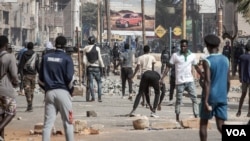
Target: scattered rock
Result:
[80, 125]
[91, 114]
[141, 123]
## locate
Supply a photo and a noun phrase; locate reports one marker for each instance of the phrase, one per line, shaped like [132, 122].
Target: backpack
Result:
[115, 52]
[92, 55]
[30, 65]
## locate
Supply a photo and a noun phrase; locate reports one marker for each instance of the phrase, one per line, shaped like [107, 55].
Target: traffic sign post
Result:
[170, 38]
[160, 31]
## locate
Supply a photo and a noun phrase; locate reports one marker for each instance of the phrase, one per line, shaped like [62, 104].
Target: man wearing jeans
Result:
[183, 62]
[92, 60]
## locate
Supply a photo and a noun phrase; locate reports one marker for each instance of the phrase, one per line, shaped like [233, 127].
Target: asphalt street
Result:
[112, 114]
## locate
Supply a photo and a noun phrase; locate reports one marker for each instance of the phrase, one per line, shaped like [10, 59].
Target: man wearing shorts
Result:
[215, 88]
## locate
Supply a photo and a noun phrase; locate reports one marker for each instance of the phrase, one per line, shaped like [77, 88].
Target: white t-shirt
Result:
[98, 63]
[183, 66]
[145, 61]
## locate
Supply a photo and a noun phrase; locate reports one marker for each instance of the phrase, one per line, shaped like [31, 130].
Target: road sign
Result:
[160, 31]
[177, 31]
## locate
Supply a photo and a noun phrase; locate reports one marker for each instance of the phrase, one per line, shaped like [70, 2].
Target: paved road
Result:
[117, 126]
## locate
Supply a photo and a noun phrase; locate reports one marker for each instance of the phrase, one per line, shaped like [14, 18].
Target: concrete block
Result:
[80, 125]
[141, 123]
[165, 125]
[89, 131]
[193, 123]
[79, 90]
[38, 128]
[97, 126]
[91, 114]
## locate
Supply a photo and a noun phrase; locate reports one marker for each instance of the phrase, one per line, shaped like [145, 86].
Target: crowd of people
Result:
[55, 73]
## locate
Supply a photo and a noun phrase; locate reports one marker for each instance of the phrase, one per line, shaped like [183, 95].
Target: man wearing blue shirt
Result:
[56, 78]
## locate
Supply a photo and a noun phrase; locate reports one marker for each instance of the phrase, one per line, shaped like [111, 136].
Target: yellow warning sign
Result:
[160, 31]
[177, 31]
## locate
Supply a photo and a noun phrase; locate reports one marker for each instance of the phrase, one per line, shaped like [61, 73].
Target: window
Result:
[5, 17]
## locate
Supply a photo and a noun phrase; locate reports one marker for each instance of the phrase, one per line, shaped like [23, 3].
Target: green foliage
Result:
[89, 14]
[243, 7]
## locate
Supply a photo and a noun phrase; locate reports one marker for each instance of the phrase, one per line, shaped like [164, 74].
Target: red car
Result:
[128, 20]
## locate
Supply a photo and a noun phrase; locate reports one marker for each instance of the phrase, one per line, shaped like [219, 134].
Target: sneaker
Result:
[28, 110]
[132, 114]
[123, 97]
[1, 139]
[170, 103]
[99, 100]
[130, 98]
[154, 115]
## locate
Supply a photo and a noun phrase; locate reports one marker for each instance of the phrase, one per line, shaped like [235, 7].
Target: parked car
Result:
[129, 19]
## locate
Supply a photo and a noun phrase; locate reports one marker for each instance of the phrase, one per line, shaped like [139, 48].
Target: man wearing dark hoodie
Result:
[29, 75]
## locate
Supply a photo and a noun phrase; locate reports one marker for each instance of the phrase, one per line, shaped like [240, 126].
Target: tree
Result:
[243, 7]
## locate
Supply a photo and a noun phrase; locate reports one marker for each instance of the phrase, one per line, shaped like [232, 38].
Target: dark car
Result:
[128, 20]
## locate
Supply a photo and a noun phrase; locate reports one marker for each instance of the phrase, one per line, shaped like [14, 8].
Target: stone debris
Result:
[91, 114]
[38, 129]
[80, 125]
[170, 124]
[89, 131]
[193, 123]
[141, 123]
[97, 126]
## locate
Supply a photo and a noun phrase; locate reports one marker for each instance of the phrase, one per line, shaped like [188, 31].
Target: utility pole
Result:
[220, 21]
[79, 56]
[42, 39]
[21, 24]
[98, 21]
[193, 26]
[143, 23]
[108, 20]
[184, 17]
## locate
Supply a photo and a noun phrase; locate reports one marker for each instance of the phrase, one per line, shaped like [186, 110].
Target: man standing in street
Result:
[126, 61]
[56, 78]
[165, 56]
[19, 56]
[227, 50]
[238, 51]
[244, 77]
[183, 62]
[29, 73]
[215, 87]
[8, 80]
[106, 55]
[93, 62]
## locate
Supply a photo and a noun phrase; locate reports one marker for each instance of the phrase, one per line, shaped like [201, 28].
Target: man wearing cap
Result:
[56, 79]
[48, 48]
[183, 61]
[215, 88]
